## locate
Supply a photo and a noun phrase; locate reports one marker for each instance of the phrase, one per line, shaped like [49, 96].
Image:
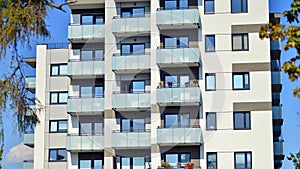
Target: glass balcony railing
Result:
[86, 68]
[177, 55]
[277, 112]
[85, 143]
[131, 100]
[131, 62]
[278, 148]
[275, 45]
[177, 17]
[29, 139]
[275, 96]
[179, 135]
[28, 165]
[131, 25]
[85, 105]
[178, 95]
[86, 31]
[30, 82]
[276, 78]
[131, 140]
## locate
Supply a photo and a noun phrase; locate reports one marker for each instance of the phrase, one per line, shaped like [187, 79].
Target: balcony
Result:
[83, 33]
[277, 131]
[135, 26]
[31, 61]
[131, 63]
[32, 111]
[187, 96]
[276, 81]
[176, 57]
[28, 165]
[85, 105]
[86, 69]
[86, 2]
[275, 44]
[275, 98]
[179, 136]
[30, 83]
[278, 150]
[131, 140]
[277, 164]
[178, 18]
[86, 143]
[29, 139]
[277, 112]
[131, 101]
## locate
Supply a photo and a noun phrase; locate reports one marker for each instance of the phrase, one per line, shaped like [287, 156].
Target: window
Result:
[88, 55]
[241, 120]
[177, 81]
[209, 6]
[241, 81]
[210, 81]
[57, 155]
[91, 128]
[92, 19]
[239, 6]
[131, 125]
[59, 70]
[175, 4]
[58, 126]
[131, 162]
[212, 161]
[132, 12]
[138, 86]
[58, 97]
[176, 42]
[210, 43]
[128, 49]
[240, 42]
[90, 160]
[211, 121]
[91, 91]
[177, 120]
[243, 160]
[173, 159]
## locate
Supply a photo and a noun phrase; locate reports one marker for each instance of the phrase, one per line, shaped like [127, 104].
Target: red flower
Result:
[189, 165]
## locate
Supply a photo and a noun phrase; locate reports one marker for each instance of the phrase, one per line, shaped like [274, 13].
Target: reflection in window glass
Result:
[138, 48]
[53, 155]
[63, 70]
[54, 97]
[184, 120]
[138, 124]
[138, 162]
[210, 81]
[184, 81]
[210, 43]
[86, 91]
[183, 4]
[171, 121]
[138, 12]
[98, 128]
[62, 155]
[62, 126]
[86, 55]
[86, 20]
[212, 160]
[97, 164]
[170, 4]
[172, 159]
[85, 164]
[242, 120]
[172, 79]
[125, 50]
[99, 55]
[53, 126]
[239, 6]
[63, 97]
[138, 86]
[184, 42]
[170, 42]
[125, 123]
[86, 128]
[125, 163]
[99, 19]
[241, 81]
[54, 70]
[98, 91]
[211, 121]
[184, 158]
[209, 6]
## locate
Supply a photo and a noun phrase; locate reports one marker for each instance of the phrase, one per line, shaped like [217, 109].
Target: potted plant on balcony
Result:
[161, 84]
[166, 165]
[189, 165]
[195, 82]
[170, 83]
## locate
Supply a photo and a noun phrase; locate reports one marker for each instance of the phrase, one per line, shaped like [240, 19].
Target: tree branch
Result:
[59, 7]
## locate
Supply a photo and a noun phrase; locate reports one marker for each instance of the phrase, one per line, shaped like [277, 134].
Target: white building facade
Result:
[146, 82]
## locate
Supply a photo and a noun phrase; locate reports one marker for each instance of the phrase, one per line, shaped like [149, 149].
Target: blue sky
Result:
[58, 23]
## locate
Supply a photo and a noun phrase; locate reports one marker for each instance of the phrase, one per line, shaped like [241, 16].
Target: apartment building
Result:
[145, 82]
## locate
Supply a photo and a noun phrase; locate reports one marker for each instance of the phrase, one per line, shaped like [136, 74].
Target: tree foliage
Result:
[20, 21]
[295, 158]
[291, 34]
